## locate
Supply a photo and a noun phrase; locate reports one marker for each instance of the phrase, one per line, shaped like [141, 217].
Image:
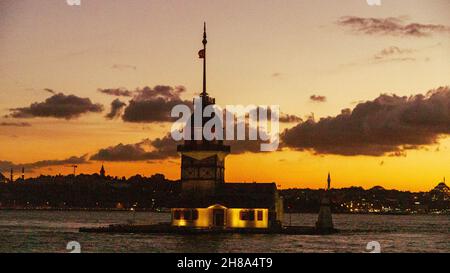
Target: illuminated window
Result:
[260, 215]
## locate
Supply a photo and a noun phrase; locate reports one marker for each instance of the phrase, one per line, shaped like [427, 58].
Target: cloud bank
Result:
[157, 149]
[388, 125]
[390, 26]
[163, 148]
[154, 104]
[58, 106]
[7, 165]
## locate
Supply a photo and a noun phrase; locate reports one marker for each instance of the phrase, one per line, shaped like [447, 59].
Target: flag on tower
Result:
[201, 54]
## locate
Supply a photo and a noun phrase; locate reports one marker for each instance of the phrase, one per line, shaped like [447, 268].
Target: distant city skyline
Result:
[157, 193]
[92, 84]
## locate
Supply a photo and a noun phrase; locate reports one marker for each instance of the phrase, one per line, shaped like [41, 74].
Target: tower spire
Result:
[204, 41]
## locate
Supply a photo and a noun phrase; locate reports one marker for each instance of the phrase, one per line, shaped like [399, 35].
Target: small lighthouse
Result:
[324, 223]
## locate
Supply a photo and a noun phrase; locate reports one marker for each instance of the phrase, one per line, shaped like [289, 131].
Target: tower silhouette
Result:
[202, 161]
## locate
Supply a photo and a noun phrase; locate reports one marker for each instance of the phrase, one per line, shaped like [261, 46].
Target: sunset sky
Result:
[313, 58]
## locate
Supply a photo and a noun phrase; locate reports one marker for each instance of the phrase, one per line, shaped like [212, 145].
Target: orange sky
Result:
[259, 52]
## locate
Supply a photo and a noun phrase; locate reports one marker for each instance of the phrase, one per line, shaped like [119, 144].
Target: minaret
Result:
[328, 181]
[324, 222]
[12, 175]
[202, 161]
[23, 173]
[102, 171]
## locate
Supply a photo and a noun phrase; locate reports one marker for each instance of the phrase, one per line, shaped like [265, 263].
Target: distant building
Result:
[377, 188]
[440, 192]
[206, 201]
[232, 205]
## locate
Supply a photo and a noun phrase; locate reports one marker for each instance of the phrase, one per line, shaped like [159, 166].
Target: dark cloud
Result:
[159, 91]
[116, 109]
[6, 165]
[283, 117]
[157, 149]
[388, 125]
[318, 98]
[15, 124]
[116, 92]
[390, 26]
[58, 106]
[154, 104]
[247, 145]
[163, 148]
[51, 91]
[288, 118]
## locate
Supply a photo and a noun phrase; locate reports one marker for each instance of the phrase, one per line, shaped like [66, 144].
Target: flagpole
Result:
[204, 60]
